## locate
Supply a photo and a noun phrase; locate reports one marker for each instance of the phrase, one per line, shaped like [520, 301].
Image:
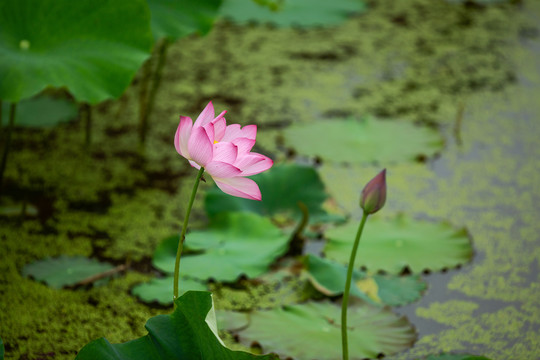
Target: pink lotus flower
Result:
[374, 194]
[224, 152]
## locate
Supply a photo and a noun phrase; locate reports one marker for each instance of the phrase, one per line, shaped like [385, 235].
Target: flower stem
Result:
[183, 234]
[7, 144]
[85, 112]
[345, 303]
[148, 99]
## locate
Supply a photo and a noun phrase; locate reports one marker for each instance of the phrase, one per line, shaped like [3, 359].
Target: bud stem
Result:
[345, 301]
[183, 233]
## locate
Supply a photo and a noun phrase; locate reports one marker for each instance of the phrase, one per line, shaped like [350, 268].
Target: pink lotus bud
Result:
[374, 194]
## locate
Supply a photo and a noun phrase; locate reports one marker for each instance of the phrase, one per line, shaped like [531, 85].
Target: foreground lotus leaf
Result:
[80, 45]
[64, 270]
[161, 290]
[363, 141]
[234, 244]
[312, 331]
[399, 243]
[329, 278]
[189, 333]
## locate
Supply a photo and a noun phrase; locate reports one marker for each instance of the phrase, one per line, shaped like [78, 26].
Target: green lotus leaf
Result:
[161, 290]
[174, 19]
[301, 13]
[64, 270]
[231, 320]
[92, 47]
[455, 357]
[189, 333]
[313, 331]
[282, 188]
[234, 244]
[330, 277]
[399, 243]
[395, 290]
[42, 111]
[363, 141]
[482, 2]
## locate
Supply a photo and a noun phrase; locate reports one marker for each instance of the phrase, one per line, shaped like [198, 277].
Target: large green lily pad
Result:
[92, 47]
[282, 188]
[42, 111]
[64, 270]
[161, 290]
[234, 244]
[174, 19]
[329, 278]
[392, 245]
[189, 333]
[313, 331]
[302, 13]
[363, 141]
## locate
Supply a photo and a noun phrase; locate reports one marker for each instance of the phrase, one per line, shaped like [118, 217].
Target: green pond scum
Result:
[470, 71]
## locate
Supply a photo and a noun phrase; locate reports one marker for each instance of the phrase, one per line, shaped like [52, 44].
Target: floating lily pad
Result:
[282, 187]
[302, 13]
[482, 2]
[234, 244]
[455, 357]
[64, 270]
[329, 278]
[363, 141]
[93, 49]
[313, 331]
[42, 111]
[392, 245]
[190, 332]
[174, 19]
[161, 290]
[231, 320]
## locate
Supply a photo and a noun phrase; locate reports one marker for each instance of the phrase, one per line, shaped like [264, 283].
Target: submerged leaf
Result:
[80, 45]
[282, 188]
[64, 270]
[393, 245]
[303, 13]
[234, 244]
[329, 278]
[363, 141]
[161, 290]
[313, 331]
[42, 111]
[187, 334]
